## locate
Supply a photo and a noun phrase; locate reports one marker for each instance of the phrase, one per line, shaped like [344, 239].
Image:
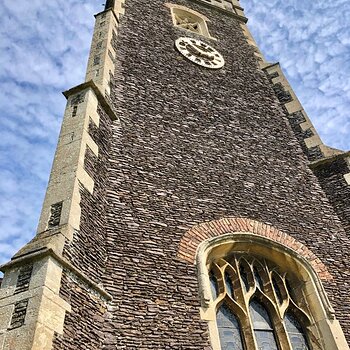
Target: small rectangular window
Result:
[110, 55]
[55, 215]
[19, 314]
[97, 60]
[23, 279]
[74, 112]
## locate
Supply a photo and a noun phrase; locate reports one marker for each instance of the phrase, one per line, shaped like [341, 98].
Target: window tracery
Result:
[303, 296]
[254, 306]
[188, 19]
[186, 22]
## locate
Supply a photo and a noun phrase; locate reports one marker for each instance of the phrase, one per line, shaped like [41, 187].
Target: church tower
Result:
[191, 203]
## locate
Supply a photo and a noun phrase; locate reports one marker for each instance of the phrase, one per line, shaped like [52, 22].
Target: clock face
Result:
[200, 53]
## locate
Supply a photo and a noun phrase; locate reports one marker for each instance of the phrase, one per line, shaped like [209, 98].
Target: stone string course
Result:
[192, 146]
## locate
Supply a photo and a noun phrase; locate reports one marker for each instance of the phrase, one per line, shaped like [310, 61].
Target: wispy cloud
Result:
[44, 47]
[311, 40]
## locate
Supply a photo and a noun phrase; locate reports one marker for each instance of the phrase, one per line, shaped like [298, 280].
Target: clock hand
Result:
[195, 50]
[203, 48]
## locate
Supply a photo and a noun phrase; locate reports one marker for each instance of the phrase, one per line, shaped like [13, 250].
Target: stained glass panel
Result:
[263, 318]
[295, 333]
[244, 277]
[228, 284]
[258, 279]
[229, 329]
[213, 285]
[262, 326]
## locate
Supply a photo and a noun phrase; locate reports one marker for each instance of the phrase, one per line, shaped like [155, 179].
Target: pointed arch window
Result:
[254, 307]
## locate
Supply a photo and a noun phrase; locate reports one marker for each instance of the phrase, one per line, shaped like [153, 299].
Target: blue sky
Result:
[43, 51]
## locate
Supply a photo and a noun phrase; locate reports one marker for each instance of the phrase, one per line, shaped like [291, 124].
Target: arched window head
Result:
[188, 19]
[259, 295]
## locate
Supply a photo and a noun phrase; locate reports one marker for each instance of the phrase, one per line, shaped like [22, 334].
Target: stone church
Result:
[191, 203]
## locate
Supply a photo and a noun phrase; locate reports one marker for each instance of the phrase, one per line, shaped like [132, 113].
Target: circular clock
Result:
[200, 53]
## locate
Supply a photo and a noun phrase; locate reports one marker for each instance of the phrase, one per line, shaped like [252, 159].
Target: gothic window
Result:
[188, 19]
[254, 307]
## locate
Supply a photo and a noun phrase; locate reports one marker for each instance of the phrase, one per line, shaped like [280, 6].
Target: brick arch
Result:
[197, 234]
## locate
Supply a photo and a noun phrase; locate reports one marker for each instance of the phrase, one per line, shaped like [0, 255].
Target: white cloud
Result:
[40, 44]
[315, 57]
[44, 47]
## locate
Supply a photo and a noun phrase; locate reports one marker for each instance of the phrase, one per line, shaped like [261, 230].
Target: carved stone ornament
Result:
[200, 53]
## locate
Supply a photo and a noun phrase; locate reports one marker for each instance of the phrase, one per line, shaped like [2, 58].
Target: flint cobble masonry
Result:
[193, 145]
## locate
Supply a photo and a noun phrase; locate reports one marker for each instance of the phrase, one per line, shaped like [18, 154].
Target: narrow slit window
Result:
[74, 112]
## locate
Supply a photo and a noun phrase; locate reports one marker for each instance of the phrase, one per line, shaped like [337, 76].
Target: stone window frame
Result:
[324, 331]
[202, 20]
